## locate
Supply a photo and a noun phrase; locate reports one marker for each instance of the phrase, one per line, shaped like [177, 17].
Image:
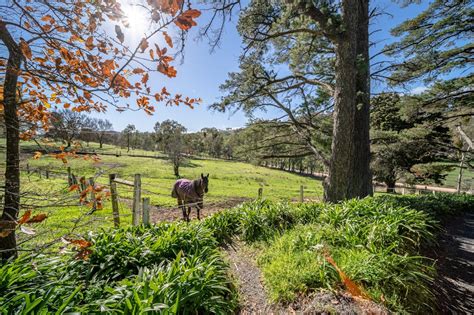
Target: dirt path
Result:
[253, 296]
[455, 282]
[254, 299]
[169, 214]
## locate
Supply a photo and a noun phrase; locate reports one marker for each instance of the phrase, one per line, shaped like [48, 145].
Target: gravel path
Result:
[455, 282]
[253, 296]
[254, 300]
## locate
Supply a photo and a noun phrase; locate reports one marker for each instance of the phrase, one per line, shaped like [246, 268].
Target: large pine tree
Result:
[296, 52]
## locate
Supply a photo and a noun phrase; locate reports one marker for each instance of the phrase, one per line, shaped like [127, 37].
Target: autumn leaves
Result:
[70, 61]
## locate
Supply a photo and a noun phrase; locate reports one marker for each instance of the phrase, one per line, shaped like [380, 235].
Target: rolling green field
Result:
[229, 181]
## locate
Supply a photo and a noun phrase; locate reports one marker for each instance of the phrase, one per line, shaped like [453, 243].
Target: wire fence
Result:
[72, 212]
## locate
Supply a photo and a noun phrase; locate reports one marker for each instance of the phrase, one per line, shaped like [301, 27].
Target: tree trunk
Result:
[349, 170]
[12, 169]
[390, 186]
[176, 169]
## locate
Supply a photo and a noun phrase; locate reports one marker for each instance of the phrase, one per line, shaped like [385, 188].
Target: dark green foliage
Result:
[406, 141]
[172, 268]
[436, 47]
[177, 268]
[438, 206]
[375, 241]
[118, 254]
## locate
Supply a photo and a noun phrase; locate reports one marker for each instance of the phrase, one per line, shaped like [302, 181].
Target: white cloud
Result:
[418, 90]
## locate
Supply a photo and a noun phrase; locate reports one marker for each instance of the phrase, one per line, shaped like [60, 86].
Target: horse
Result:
[190, 193]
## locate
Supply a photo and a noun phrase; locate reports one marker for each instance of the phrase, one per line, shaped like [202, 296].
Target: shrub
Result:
[171, 268]
[121, 253]
[439, 205]
[375, 241]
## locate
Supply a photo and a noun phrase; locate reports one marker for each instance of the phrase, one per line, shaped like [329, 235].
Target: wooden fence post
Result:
[94, 202]
[260, 193]
[146, 211]
[73, 179]
[114, 199]
[301, 193]
[69, 176]
[47, 174]
[137, 192]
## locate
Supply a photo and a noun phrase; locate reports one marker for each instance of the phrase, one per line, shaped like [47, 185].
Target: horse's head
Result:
[205, 182]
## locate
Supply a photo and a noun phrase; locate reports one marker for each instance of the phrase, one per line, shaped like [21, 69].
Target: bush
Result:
[375, 241]
[170, 268]
[439, 205]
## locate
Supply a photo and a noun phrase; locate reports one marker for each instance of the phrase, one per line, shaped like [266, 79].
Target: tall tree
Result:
[170, 136]
[298, 54]
[102, 128]
[128, 131]
[436, 48]
[67, 125]
[406, 143]
[62, 52]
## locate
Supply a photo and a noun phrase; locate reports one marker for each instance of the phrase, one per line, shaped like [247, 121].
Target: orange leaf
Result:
[145, 78]
[81, 243]
[47, 18]
[24, 217]
[37, 218]
[350, 285]
[152, 56]
[185, 20]
[73, 187]
[90, 43]
[37, 155]
[168, 39]
[119, 33]
[25, 49]
[83, 254]
[170, 71]
[193, 13]
[143, 45]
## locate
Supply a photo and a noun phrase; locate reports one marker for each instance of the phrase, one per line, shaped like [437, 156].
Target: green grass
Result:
[452, 177]
[377, 242]
[228, 180]
[170, 269]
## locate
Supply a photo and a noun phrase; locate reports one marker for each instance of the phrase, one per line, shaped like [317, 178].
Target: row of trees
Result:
[68, 126]
[407, 141]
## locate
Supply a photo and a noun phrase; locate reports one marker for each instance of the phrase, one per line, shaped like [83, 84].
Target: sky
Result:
[202, 72]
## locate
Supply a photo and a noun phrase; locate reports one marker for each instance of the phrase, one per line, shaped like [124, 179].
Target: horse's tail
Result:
[174, 192]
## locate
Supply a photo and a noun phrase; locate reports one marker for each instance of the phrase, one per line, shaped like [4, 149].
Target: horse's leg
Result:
[189, 212]
[199, 207]
[183, 208]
